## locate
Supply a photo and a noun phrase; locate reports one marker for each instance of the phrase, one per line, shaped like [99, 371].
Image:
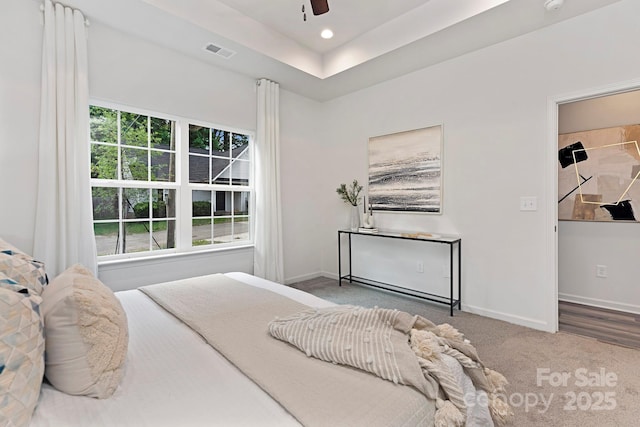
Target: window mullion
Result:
[121, 230]
[119, 145]
[149, 149]
[186, 220]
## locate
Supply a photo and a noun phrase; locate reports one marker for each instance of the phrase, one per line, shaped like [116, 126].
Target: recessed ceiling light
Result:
[326, 33]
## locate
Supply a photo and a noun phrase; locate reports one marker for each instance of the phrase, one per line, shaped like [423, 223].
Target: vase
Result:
[355, 218]
[367, 220]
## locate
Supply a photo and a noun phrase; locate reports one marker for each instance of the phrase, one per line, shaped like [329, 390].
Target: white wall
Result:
[130, 71]
[20, 59]
[493, 104]
[583, 245]
[302, 149]
[381, 259]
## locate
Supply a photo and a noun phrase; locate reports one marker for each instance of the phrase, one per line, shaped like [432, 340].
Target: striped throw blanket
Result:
[397, 347]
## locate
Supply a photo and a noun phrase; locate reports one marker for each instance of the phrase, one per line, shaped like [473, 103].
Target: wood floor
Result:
[614, 327]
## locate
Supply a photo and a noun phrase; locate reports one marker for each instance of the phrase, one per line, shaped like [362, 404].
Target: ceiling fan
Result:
[319, 6]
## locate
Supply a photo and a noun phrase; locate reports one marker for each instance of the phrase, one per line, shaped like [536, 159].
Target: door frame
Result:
[552, 182]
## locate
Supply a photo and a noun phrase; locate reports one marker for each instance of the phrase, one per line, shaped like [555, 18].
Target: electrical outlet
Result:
[601, 271]
[529, 203]
[420, 267]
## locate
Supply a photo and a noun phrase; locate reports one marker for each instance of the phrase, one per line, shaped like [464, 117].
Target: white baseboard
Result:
[517, 320]
[300, 278]
[601, 303]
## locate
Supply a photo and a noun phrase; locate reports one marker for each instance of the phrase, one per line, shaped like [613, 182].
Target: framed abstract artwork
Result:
[405, 171]
[598, 174]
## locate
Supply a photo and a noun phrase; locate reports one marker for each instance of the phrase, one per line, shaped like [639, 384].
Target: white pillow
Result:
[21, 352]
[86, 334]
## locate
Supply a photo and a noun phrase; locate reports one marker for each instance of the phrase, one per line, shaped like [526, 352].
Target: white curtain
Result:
[64, 230]
[267, 260]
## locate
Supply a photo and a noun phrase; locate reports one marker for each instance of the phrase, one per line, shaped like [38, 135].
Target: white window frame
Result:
[184, 159]
[182, 186]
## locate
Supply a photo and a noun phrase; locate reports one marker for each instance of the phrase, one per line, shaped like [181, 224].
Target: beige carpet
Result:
[555, 379]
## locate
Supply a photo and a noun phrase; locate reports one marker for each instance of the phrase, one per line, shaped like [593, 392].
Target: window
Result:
[165, 184]
[219, 175]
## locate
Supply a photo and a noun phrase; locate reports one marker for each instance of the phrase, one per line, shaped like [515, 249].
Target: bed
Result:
[174, 377]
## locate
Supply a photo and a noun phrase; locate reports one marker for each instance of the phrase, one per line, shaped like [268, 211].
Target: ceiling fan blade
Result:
[320, 6]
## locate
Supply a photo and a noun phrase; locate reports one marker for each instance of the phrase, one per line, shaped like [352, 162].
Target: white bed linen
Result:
[172, 378]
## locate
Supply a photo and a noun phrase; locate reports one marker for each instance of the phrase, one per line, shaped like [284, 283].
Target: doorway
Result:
[596, 256]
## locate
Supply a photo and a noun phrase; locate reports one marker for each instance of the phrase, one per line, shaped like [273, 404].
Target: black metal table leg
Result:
[339, 262]
[451, 280]
[350, 269]
[459, 275]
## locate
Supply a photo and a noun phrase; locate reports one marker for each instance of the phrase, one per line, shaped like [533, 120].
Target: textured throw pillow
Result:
[21, 353]
[86, 334]
[22, 268]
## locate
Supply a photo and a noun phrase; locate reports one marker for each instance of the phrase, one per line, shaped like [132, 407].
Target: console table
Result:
[454, 242]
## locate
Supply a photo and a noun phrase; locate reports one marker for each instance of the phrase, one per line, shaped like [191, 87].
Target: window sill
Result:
[174, 255]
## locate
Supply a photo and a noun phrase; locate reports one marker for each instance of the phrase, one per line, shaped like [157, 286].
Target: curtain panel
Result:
[268, 253]
[63, 228]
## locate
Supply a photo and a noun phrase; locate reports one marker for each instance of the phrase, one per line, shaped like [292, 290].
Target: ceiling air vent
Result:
[220, 51]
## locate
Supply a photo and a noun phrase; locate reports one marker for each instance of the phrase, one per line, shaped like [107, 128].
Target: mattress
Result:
[172, 377]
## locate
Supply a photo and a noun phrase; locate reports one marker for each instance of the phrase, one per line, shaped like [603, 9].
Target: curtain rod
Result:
[264, 78]
[86, 21]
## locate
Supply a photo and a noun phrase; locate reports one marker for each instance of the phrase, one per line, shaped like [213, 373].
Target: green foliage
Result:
[133, 129]
[350, 194]
[198, 137]
[200, 242]
[103, 124]
[134, 164]
[106, 229]
[160, 133]
[105, 203]
[134, 132]
[201, 221]
[161, 169]
[141, 210]
[221, 140]
[104, 161]
[112, 228]
[201, 208]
